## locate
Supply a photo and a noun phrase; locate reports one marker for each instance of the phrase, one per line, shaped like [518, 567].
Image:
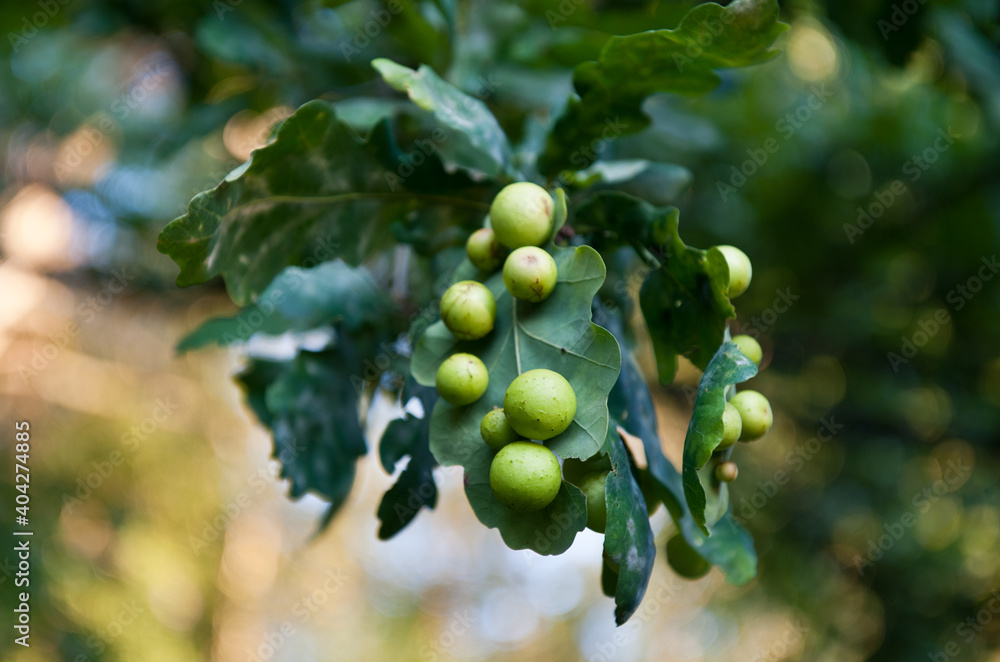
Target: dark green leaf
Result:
[400, 436]
[609, 578]
[415, 488]
[730, 546]
[628, 540]
[474, 138]
[631, 403]
[299, 300]
[728, 366]
[630, 68]
[312, 409]
[630, 219]
[684, 302]
[255, 379]
[315, 193]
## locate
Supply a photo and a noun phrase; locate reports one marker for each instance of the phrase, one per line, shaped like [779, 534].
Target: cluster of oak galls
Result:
[539, 404]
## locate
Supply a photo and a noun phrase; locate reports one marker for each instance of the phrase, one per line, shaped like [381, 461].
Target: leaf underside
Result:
[628, 539]
[728, 366]
[473, 138]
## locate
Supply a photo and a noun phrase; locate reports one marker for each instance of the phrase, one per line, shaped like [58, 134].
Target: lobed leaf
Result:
[556, 334]
[315, 193]
[312, 410]
[415, 488]
[684, 302]
[684, 60]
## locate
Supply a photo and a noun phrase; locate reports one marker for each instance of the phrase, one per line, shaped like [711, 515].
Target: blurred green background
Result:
[860, 171]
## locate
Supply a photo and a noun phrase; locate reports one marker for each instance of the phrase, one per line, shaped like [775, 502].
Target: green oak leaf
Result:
[684, 302]
[611, 89]
[628, 539]
[415, 488]
[730, 546]
[315, 193]
[312, 410]
[728, 366]
[548, 531]
[474, 138]
[627, 217]
[556, 334]
[298, 300]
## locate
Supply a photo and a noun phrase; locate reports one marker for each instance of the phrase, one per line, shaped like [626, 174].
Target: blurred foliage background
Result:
[161, 531]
